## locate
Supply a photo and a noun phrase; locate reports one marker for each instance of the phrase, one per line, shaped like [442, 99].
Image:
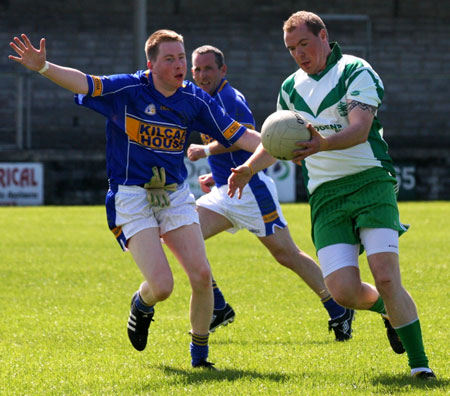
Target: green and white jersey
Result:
[322, 99]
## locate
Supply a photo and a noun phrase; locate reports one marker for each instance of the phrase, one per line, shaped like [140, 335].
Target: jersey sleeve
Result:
[215, 122]
[237, 108]
[241, 112]
[108, 94]
[366, 87]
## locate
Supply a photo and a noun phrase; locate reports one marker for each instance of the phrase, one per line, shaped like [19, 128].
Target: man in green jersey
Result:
[350, 180]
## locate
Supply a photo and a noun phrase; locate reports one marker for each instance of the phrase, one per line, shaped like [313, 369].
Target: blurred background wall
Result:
[405, 41]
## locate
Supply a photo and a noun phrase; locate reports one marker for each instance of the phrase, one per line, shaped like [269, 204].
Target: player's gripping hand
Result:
[157, 188]
[206, 182]
[29, 56]
[196, 151]
[238, 179]
[314, 145]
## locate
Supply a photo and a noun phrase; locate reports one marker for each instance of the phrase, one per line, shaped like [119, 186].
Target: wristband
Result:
[207, 150]
[251, 169]
[44, 68]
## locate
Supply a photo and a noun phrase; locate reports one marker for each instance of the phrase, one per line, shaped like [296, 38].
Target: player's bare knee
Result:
[286, 257]
[346, 300]
[163, 291]
[201, 280]
[386, 286]
[345, 296]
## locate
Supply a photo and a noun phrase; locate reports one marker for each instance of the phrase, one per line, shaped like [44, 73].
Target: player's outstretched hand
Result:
[239, 177]
[314, 145]
[206, 182]
[195, 152]
[29, 56]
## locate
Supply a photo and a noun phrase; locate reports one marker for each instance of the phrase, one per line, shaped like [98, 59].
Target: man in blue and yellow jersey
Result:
[350, 180]
[258, 210]
[149, 114]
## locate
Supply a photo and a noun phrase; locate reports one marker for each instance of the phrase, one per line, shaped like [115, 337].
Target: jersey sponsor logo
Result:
[98, 86]
[155, 136]
[231, 130]
[336, 127]
[150, 109]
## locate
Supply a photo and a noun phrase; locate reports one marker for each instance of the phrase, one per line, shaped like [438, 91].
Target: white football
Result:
[281, 130]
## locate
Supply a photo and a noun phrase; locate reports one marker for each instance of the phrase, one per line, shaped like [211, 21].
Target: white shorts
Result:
[340, 255]
[129, 211]
[258, 210]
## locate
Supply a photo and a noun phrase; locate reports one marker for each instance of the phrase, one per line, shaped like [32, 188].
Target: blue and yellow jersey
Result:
[145, 129]
[237, 108]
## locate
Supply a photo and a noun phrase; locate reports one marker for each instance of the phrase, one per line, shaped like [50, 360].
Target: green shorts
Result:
[339, 208]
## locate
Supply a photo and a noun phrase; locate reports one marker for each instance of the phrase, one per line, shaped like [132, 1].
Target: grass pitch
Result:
[65, 294]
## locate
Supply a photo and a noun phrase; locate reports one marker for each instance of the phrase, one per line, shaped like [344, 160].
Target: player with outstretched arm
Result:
[148, 117]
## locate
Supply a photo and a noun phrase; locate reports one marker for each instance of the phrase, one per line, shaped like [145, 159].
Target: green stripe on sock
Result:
[411, 337]
[378, 306]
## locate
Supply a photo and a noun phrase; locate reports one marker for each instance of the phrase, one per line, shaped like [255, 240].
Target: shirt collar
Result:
[221, 86]
[332, 59]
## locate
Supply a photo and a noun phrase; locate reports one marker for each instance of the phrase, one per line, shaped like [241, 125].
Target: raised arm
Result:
[36, 60]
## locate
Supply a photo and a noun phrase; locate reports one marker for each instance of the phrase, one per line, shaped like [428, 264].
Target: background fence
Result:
[405, 41]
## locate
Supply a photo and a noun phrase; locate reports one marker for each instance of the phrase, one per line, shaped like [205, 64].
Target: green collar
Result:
[332, 59]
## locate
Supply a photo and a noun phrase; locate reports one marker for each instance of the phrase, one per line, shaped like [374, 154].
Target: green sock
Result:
[411, 337]
[378, 306]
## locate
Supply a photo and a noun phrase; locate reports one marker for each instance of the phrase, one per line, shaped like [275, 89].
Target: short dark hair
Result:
[311, 20]
[206, 49]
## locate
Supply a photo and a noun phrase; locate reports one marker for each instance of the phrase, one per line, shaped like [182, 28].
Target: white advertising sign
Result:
[21, 183]
[282, 173]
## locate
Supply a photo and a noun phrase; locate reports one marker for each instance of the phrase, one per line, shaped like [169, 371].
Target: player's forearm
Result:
[357, 132]
[217, 148]
[260, 160]
[249, 141]
[351, 136]
[71, 79]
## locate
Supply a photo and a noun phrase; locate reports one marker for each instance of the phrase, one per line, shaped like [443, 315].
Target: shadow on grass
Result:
[404, 384]
[193, 376]
[272, 342]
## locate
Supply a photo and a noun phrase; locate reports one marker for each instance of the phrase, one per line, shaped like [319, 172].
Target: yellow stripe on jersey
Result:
[268, 218]
[98, 86]
[231, 130]
[155, 136]
[206, 139]
[222, 85]
[116, 231]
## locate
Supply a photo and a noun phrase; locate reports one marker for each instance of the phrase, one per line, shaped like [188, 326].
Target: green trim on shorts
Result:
[339, 208]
